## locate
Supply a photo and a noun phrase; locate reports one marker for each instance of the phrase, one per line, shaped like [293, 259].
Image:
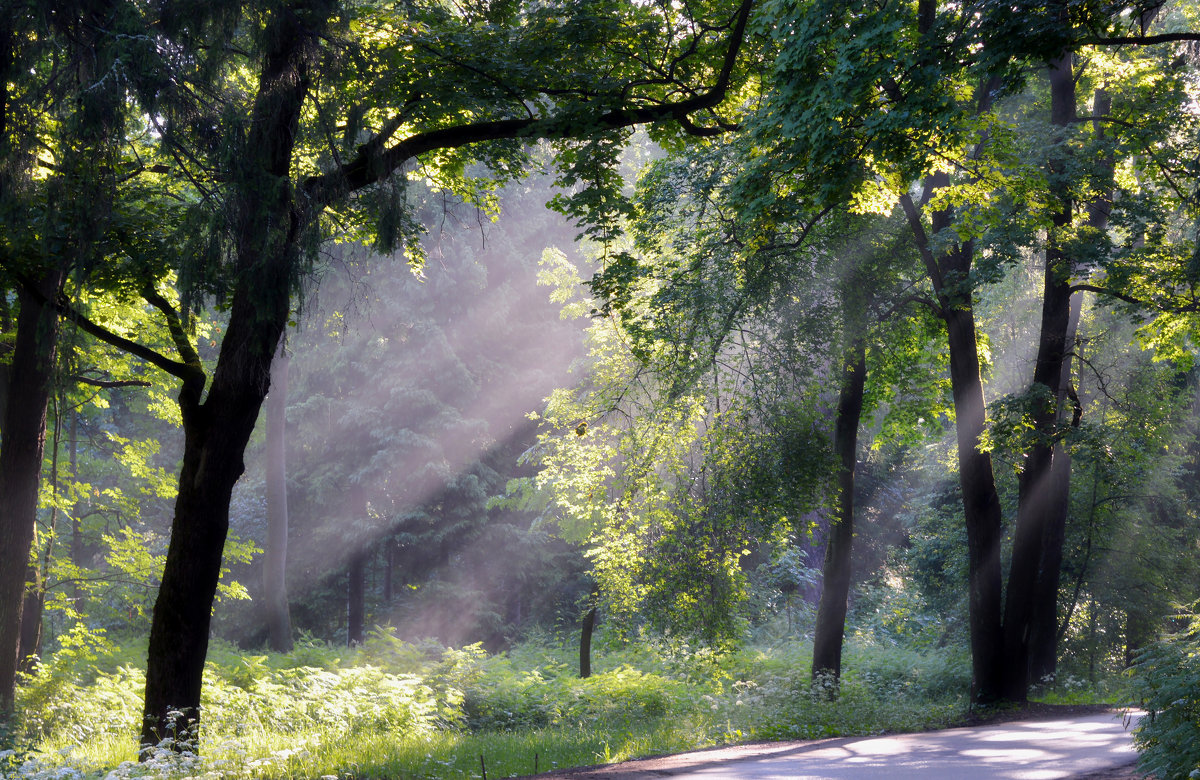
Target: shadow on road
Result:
[1020, 750]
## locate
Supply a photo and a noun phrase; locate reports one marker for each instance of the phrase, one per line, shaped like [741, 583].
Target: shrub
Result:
[1167, 675]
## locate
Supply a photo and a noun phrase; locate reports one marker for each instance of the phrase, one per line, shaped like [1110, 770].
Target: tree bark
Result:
[1044, 631]
[585, 643]
[949, 274]
[356, 579]
[278, 618]
[355, 612]
[216, 431]
[981, 508]
[1042, 504]
[268, 220]
[76, 514]
[22, 442]
[31, 619]
[831, 612]
[356, 589]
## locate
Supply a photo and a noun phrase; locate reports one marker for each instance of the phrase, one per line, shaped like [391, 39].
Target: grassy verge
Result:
[396, 710]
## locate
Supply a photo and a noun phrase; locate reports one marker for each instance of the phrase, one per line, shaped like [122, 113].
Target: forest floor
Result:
[767, 760]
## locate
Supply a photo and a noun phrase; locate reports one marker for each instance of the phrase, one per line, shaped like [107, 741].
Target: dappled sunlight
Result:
[1015, 751]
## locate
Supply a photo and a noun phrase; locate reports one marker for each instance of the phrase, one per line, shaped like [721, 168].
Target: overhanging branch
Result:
[63, 306]
[1163, 306]
[373, 163]
[111, 383]
[1142, 40]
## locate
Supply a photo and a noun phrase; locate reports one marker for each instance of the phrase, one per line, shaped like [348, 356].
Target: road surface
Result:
[1019, 750]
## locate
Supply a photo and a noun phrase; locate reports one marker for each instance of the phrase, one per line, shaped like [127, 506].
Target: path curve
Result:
[1019, 750]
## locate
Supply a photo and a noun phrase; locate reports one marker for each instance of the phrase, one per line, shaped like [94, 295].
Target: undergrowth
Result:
[394, 709]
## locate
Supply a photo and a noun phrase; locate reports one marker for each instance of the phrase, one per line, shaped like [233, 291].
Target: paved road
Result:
[1021, 750]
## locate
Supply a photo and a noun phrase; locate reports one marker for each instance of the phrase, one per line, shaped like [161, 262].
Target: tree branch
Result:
[108, 383]
[63, 306]
[372, 165]
[921, 239]
[1190, 308]
[1142, 40]
[183, 344]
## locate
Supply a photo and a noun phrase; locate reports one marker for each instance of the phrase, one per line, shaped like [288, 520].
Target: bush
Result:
[394, 708]
[1167, 675]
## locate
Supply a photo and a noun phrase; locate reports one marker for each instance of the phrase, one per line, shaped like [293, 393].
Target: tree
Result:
[278, 619]
[56, 227]
[271, 204]
[865, 104]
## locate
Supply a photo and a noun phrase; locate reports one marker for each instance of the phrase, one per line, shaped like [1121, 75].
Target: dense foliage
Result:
[861, 324]
[391, 708]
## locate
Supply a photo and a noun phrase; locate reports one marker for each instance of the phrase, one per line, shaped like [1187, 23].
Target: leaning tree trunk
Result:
[278, 619]
[1038, 511]
[21, 445]
[217, 430]
[835, 590]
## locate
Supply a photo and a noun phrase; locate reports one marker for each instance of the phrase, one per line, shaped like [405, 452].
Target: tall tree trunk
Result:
[22, 441]
[1138, 630]
[981, 503]
[981, 508]
[6, 326]
[356, 580]
[1040, 507]
[278, 618]
[831, 613]
[949, 273]
[39, 570]
[356, 589]
[267, 226]
[1044, 630]
[76, 514]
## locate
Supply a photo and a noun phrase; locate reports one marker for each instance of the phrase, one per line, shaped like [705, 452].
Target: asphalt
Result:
[1017, 750]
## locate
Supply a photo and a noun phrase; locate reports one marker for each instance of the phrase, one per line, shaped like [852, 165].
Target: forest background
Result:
[848, 385]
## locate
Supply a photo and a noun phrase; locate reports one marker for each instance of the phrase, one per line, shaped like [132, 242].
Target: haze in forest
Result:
[391, 389]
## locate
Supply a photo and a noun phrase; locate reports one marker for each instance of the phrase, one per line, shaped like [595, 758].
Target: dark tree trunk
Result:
[356, 599]
[5, 348]
[981, 508]
[948, 274]
[1138, 630]
[585, 642]
[1044, 630]
[278, 618]
[835, 590]
[1042, 504]
[22, 441]
[217, 430]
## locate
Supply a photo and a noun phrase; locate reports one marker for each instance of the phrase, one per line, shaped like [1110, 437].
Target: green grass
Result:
[397, 710]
